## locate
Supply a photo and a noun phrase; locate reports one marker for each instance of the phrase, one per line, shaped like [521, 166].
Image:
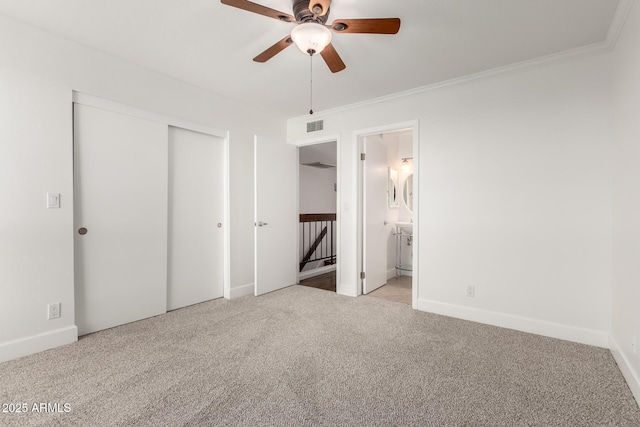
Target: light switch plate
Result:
[53, 200]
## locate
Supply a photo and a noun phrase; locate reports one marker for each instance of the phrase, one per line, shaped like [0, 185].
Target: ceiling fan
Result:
[311, 34]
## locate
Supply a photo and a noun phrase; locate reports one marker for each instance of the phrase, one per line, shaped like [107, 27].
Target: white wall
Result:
[38, 73]
[515, 195]
[626, 208]
[317, 193]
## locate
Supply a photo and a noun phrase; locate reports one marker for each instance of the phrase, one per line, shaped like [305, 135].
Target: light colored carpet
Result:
[302, 356]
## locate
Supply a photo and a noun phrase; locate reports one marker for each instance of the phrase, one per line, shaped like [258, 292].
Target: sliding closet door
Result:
[196, 209]
[120, 218]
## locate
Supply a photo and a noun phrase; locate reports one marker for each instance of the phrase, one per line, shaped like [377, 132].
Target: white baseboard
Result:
[393, 273]
[37, 343]
[316, 272]
[630, 375]
[241, 291]
[518, 323]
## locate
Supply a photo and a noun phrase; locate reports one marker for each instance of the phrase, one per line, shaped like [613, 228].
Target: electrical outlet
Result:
[53, 311]
[471, 291]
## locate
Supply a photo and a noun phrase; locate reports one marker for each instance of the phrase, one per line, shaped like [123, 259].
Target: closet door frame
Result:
[105, 104]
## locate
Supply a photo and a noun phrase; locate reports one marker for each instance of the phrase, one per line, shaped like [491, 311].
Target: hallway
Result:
[397, 289]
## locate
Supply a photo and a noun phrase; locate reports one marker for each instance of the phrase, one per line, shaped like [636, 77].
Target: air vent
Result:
[315, 126]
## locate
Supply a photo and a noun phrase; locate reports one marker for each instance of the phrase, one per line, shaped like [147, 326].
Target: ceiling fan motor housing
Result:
[311, 34]
[303, 14]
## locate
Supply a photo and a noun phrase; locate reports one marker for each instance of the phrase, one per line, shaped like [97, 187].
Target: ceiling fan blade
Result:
[332, 59]
[367, 26]
[259, 9]
[323, 4]
[274, 50]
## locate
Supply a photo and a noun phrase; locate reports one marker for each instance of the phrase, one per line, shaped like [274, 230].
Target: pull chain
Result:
[311, 52]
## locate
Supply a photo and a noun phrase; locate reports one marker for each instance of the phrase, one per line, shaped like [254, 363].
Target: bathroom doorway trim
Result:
[358, 137]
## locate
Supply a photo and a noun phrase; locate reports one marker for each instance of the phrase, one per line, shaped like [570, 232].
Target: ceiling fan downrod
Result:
[311, 52]
[314, 14]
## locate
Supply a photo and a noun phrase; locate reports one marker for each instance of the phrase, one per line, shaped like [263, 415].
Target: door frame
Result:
[105, 104]
[315, 141]
[358, 137]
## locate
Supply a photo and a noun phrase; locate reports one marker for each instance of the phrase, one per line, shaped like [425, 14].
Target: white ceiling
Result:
[326, 153]
[211, 45]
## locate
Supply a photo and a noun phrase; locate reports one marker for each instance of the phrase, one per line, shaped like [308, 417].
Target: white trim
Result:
[391, 127]
[297, 194]
[116, 107]
[361, 144]
[255, 217]
[415, 284]
[338, 244]
[393, 272]
[414, 126]
[617, 24]
[322, 140]
[226, 225]
[630, 375]
[348, 289]
[241, 291]
[317, 140]
[618, 21]
[560, 56]
[518, 323]
[37, 343]
[316, 272]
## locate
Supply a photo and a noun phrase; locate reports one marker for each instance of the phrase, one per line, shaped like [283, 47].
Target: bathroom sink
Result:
[405, 227]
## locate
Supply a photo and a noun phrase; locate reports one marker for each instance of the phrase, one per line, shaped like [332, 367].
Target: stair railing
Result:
[317, 232]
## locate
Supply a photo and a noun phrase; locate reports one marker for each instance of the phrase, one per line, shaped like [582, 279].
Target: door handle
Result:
[261, 224]
[82, 231]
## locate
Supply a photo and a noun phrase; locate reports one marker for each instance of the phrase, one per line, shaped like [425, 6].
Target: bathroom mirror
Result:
[407, 192]
[392, 189]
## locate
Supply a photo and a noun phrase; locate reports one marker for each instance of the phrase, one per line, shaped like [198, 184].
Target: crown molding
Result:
[617, 24]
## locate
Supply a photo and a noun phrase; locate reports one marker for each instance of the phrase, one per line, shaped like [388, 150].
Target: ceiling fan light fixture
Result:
[311, 36]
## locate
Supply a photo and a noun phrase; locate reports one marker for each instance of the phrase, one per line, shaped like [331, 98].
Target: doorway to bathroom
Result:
[388, 214]
[317, 228]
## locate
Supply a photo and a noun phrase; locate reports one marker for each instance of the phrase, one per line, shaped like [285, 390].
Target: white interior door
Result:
[275, 191]
[195, 271]
[120, 188]
[374, 215]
